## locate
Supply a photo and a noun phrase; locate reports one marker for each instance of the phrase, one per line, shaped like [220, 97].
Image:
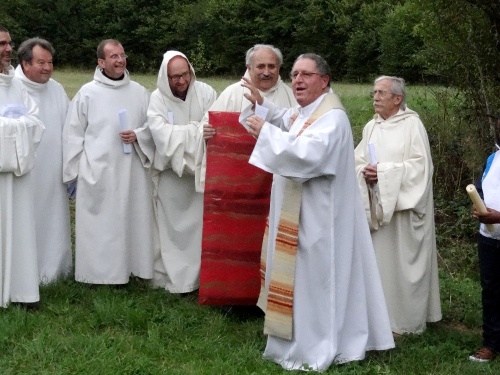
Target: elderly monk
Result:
[394, 170]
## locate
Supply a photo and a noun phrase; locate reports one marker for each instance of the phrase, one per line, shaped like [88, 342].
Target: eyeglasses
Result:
[4, 43]
[116, 57]
[380, 93]
[305, 75]
[177, 77]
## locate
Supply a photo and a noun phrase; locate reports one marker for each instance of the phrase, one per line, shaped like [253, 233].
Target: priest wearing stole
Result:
[321, 290]
[395, 179]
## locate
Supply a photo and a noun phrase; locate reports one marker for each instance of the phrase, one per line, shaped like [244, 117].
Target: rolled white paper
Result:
[479, 204]
[373, 155]
[122, 116]
[170, 117]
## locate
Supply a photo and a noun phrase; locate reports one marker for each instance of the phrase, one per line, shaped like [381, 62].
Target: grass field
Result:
[132, 329]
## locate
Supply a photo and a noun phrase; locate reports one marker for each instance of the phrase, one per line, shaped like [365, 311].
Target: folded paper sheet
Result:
[236, 205]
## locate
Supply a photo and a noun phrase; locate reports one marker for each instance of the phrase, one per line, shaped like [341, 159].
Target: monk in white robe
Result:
[168, 145]
[396, 186]
[339, 310]
[51, 197]
[263, 63]
[114, 212]
[20, 134]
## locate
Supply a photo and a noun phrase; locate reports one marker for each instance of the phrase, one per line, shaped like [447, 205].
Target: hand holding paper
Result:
[122, 116]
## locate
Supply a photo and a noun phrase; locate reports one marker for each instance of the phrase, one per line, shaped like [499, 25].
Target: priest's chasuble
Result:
[339, 309]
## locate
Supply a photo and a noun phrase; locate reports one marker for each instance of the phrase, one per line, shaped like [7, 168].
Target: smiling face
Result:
[179, 76]
[264, 70]
[385, 103]
[115, 60]
[40, 68]
[307, 84]
[5, 50]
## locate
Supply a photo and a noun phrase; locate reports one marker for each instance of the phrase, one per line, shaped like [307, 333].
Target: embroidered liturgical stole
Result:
[278, 302]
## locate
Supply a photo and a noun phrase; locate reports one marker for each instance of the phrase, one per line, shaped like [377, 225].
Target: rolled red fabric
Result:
[236, 205]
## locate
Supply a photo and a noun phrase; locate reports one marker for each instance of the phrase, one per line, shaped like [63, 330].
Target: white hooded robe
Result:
[114, 211]
[53, 236]
[168, 144]
[405, 242]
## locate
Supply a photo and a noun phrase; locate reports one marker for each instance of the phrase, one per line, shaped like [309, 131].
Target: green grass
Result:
[134, 329]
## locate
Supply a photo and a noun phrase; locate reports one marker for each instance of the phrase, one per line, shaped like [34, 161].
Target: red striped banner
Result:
[236, 205]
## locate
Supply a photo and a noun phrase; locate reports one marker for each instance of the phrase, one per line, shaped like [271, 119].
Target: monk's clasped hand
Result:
[208, 131]
[128, 136]
[370, 174]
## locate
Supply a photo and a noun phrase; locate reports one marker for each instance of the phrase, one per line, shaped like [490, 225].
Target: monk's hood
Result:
[162, 82]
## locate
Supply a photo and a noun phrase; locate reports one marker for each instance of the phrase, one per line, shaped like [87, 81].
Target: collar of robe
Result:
[6, 76]
[113, 79]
